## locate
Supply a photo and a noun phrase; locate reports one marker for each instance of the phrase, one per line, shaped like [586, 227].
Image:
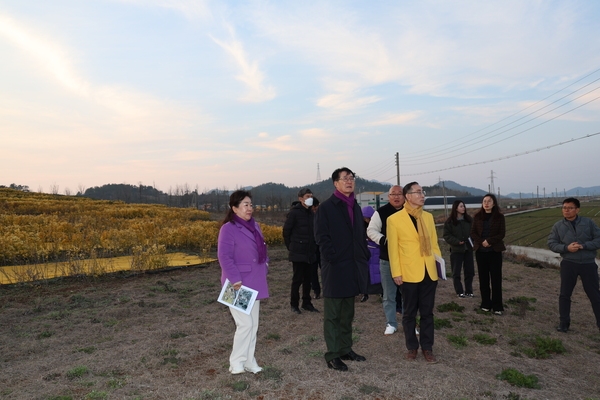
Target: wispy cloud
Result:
[250, 73]
[50, 57]
[344, 96]
[130, 112]
[397, 119]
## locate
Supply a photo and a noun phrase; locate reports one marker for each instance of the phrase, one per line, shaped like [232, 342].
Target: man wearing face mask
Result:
[300, 241]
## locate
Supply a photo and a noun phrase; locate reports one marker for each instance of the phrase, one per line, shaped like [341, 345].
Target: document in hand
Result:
[242, 299]
[440, 264]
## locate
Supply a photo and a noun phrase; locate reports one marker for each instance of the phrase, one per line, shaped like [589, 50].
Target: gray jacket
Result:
[586, 232]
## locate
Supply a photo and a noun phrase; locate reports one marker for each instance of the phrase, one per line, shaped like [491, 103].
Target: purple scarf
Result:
[349, 200]
[258, 237]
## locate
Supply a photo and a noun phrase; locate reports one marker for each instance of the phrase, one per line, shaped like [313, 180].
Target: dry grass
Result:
[163, 336]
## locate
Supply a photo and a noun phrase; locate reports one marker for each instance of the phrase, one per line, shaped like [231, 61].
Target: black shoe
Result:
[562, 328]
[296, 310]
[310, 308]
[352, 356]
[364, 298]
[337, 364]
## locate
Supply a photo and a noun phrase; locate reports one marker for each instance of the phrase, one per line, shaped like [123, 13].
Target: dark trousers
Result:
[569, 271]
[458, 261]
[337, 326]
[418, 297]
[301, 277]
[489, 269]
[314, 277]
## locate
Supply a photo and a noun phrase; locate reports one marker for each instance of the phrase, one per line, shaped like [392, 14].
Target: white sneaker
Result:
[389, 330]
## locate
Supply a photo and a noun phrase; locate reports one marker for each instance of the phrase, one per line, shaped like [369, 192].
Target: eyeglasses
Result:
[569, 208]
[418, 193]
[347, 178]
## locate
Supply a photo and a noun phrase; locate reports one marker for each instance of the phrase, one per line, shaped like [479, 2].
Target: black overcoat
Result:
[299, 235]
[343, 248]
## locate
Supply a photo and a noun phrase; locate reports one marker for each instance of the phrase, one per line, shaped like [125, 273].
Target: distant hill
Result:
[451, 185]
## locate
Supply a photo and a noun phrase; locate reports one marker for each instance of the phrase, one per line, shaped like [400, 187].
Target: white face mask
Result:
[308, 202]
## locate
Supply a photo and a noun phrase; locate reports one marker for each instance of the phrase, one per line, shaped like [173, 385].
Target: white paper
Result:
[242, 299]
[441, 267]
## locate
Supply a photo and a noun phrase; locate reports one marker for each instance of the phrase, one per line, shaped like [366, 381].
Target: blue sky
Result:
[228, 93]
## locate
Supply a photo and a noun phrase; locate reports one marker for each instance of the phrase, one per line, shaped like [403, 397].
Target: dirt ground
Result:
[164, 336]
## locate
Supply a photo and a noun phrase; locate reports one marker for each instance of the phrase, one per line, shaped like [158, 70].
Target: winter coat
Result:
[586, 232]
[497, 232]
[343, 247]
[238, 256]
[299, 235]
[456, 233]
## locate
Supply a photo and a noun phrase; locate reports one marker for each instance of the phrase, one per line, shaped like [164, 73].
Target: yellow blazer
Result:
[404, 247]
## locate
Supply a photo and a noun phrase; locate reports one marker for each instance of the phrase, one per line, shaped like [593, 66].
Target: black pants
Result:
[337, 326]
[302, 277]
[418, 297]
[569, 271]
[458, 261]
[316, 286]
[489, 269]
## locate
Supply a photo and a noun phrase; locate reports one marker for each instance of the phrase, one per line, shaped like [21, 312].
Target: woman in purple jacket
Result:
[242, 254]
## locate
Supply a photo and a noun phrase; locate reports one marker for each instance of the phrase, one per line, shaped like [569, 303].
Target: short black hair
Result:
[407, 187]
[336, 174]
[304, 191]
[572, 200]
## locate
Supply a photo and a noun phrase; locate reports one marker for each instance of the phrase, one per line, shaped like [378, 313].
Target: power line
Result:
[516, 134]
[464, 142]
[505, 157]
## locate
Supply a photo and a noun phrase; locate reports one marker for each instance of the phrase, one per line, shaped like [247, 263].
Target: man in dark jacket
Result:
[577, 239]
[298, 235]
[342, 241]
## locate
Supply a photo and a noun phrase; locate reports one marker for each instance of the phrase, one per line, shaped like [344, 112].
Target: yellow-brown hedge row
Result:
[40, 227]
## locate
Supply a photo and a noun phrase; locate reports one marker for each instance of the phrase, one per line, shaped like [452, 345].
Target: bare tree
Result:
[67, 192]
[80, 189]
[54, 188]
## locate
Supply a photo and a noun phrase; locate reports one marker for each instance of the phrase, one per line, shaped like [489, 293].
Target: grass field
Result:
[531, 229]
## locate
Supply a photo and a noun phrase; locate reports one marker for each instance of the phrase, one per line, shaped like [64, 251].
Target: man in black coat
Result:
[342, 241]
[298, 235]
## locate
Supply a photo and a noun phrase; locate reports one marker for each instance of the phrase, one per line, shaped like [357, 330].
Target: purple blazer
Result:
[238, 257]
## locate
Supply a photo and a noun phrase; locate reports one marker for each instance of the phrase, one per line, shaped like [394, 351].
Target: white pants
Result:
[244, 340]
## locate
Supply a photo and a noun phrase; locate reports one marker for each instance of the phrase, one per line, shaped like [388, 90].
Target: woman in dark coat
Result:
[488, 242]
[457, 233]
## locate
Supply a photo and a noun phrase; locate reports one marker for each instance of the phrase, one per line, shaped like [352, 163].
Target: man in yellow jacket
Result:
[413, 247]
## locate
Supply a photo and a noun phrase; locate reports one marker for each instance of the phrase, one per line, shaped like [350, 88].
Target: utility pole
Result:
[397, 169]
[445, 200]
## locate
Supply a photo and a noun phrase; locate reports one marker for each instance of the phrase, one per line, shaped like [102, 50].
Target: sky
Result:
[228, 94]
